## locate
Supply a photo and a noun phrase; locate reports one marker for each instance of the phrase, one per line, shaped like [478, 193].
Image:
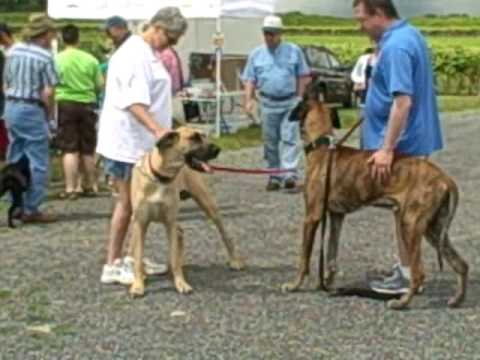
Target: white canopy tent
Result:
[204, 14]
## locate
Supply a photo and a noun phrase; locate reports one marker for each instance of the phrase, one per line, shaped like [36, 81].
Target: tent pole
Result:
[218, 68]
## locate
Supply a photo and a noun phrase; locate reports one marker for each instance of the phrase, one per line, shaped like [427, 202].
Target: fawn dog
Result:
[156, 181]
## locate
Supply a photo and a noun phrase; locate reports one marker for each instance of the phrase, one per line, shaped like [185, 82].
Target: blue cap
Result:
[115, 21]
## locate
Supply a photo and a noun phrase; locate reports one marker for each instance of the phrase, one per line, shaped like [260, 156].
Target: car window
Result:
[318, 59]
[333, 61]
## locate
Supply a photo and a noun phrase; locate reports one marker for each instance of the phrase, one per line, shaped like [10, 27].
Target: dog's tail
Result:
[445, 217]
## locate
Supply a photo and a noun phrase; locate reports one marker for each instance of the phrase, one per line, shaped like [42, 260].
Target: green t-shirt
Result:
[80, 76]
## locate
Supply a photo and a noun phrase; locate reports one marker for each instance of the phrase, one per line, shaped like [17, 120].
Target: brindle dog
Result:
[425, 199]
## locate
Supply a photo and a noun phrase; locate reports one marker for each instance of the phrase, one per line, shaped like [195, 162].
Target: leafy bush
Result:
[456, 61]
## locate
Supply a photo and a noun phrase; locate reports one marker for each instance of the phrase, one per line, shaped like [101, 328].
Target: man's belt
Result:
[27, 100]
[277, 98]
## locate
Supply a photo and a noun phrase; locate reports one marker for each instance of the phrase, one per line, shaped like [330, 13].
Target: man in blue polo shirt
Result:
[279, 72]
[401, 113]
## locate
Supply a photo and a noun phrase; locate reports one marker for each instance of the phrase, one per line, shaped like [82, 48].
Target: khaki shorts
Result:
[76, 128]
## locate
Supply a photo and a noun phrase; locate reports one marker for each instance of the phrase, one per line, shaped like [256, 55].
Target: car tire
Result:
[350, 101]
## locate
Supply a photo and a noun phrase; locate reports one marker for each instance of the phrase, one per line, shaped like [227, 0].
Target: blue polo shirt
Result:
[403, 68]
[276, 72]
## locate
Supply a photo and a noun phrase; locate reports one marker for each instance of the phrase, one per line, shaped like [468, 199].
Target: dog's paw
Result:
[396, 304]
[136, 291]
[322, 287]
[236, 264]
[183, 287]
[329, 277]
[289, 287]
[456, 300]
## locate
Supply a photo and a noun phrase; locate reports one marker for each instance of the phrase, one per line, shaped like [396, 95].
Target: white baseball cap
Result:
[272, 24]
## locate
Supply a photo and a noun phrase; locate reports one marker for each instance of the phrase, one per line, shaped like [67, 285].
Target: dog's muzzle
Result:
[213, 151]
[198, 159]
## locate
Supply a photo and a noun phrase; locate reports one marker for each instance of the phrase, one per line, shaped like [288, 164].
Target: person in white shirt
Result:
[360, 74]
[137, 111]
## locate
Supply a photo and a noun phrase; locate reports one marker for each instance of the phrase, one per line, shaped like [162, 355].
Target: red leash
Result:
[250, 171]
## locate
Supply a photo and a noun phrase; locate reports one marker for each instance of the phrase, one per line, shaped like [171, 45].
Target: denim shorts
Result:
[117, 169]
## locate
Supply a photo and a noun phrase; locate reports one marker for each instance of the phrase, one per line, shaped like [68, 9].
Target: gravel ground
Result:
[52, 305]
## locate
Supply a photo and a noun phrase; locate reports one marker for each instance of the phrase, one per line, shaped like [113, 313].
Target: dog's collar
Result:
[161, 178]
[327, 140]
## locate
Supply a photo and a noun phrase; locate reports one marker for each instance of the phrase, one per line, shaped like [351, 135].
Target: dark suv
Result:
[330, 75]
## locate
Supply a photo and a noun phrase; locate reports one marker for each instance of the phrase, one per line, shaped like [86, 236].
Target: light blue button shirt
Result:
[276, 72]
[403, 67]
[29, 68]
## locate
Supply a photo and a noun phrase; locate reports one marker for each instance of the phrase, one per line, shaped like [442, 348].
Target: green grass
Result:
[5, 294]
[247, 137]
[447, 104]
[459, 103]
[3, 210]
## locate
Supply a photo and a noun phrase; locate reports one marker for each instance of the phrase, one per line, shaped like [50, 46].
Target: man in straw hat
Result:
[30, 78]
[137, 111]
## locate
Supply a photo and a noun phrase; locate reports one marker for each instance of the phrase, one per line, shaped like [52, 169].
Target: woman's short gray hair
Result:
[171, 19]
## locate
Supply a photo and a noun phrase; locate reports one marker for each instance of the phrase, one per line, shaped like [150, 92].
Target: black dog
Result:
[15, 177]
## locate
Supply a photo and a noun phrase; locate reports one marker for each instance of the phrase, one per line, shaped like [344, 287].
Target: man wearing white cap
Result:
[279, 72]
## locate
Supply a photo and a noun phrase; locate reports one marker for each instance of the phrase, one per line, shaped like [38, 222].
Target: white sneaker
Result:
[150, 267]
[153, 268]
[117, 273]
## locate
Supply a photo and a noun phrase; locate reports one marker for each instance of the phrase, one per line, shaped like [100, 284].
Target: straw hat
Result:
[38, 24]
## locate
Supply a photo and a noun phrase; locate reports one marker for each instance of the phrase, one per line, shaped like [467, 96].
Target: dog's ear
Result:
[168, 140]
[335, 118]
[295, 112]
[197, 137]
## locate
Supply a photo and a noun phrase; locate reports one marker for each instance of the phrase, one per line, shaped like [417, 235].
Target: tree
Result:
[23, 5]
